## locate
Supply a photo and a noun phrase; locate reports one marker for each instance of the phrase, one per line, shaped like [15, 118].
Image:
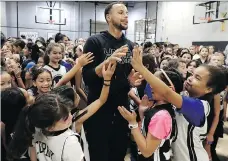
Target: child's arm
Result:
[93, 107]
[192, 109]
[33, 156]
[132, 95]
[159, 128]
[78, 81]
[82, 61]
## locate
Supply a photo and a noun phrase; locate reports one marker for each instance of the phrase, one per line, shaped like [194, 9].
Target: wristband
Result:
[133, 126]
[106, 84]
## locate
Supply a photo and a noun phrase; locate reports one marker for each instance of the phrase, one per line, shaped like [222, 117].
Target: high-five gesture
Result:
[136, 60]
[115, 57]
[135, 78]
[108, 70]
[85, 59]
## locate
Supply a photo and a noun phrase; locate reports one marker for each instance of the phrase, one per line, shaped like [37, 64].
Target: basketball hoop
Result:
[207, 19]
[51, 22]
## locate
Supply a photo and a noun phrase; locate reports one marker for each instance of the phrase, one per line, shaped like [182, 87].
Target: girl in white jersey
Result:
[191, 114]
[52, 59]
[51, 116]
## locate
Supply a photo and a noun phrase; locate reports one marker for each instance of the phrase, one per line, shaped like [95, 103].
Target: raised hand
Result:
[145, 103]
[136, 60]
[108, 69]
[116, 56]
[70, 60]
[127, 115]
[135, 78]
[85, 59]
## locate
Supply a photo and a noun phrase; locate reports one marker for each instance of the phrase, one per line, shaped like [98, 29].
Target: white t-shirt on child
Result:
[57, 73]
[63, 147]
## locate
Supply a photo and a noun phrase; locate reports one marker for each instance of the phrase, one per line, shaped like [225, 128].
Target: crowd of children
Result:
[177, 98]
[181, 103]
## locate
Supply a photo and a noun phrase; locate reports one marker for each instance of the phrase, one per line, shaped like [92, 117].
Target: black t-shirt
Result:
[103, 46]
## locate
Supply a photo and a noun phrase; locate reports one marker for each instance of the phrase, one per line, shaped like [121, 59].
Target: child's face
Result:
[192, 67]
[9, 46]
[55, 55]
[214, 60]
[78, 52]
[211, 49]
[217, 60]
[169, 50]
[164, 63]
[11, 65]
[221, 59]
[5, 81]
[204, 52]
[5, 52]
[40, 62]
[26, 51]
[17, 50]
[192, 50]
[186, 58]
[43, 82]
[182, 69]
[65, 40]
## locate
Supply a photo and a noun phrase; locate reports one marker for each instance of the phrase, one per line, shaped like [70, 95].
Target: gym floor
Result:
[222, 147]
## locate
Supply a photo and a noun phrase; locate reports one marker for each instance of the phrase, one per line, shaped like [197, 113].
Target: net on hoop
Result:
[51, 22]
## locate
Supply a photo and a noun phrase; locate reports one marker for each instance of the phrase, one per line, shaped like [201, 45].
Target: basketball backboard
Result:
[212, 11]
[50, 15]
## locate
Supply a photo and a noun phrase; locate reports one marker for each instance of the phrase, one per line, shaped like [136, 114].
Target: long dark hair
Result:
[175, 77]
[44, 113]
[36, 71]
[217, 81]
[65, 91]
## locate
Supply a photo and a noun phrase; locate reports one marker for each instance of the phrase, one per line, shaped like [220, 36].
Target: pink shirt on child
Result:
[160, 125]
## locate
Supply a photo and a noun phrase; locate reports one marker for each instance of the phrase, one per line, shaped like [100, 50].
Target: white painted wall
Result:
[78, 15]
[136, 13]
[3, 17]
[175, 24]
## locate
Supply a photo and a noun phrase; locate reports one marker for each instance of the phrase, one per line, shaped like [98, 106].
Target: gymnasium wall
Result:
[78, 15]
[175, 24]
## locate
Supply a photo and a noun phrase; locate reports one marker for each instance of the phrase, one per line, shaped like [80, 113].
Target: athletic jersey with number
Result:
[188, 145]
[63, 147]
[57, 73]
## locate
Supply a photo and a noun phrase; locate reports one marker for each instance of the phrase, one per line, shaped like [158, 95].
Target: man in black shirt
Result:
[106, 131]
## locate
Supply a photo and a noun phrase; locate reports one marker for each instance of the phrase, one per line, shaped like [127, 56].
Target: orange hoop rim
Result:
[51, 21]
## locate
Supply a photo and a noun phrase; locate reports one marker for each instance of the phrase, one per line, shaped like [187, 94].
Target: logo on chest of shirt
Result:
[125, 59]
[43, 148]
[57, 78]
